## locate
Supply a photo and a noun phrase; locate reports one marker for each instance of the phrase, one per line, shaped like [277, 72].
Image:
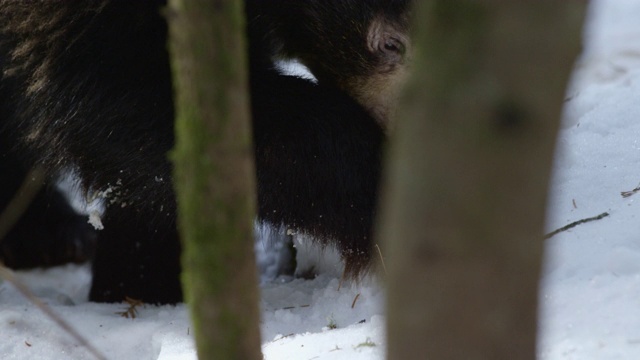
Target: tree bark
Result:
[214, 176]
[466, 186]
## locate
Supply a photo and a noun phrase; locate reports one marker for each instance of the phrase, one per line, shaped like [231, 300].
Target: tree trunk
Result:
[214, 176]
[464, 207]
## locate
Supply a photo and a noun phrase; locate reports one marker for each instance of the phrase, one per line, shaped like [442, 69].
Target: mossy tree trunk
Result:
[467, 181]
[214, 176]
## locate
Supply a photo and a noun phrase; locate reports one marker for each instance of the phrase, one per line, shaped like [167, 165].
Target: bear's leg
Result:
[136, 259]
[318, 159]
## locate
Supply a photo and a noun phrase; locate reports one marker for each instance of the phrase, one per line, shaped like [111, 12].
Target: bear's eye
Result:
[392, 46]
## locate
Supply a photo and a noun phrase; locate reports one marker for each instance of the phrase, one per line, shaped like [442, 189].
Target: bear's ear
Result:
[361, 47]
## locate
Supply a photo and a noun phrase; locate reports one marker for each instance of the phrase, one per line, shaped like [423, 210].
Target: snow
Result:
[590, 292]
[95, 220]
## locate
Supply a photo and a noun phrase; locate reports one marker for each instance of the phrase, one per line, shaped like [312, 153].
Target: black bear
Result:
[86, 88]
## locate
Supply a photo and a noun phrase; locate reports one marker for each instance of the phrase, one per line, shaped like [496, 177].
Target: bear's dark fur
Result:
[86, 87]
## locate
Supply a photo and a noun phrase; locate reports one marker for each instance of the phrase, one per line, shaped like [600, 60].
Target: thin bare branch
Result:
[626, 194]
[20, 202]
[8, 218]
[576, 223]
[9, 276]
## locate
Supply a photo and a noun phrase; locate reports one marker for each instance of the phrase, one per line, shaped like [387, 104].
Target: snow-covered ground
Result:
[590, 294]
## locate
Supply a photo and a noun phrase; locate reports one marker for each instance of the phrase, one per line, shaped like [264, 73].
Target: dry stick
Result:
[576, 223]
[19, 204]
[8, 275]
[626, 194]
[353, 304]
[8, 218]
[384, 267]
[342, 279]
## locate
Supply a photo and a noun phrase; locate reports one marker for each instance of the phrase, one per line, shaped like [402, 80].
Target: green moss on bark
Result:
[214, 176]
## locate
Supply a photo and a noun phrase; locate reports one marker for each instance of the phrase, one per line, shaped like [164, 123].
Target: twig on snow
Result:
[8, 275]
[576, 223]
[8, 218]
[626, 194]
